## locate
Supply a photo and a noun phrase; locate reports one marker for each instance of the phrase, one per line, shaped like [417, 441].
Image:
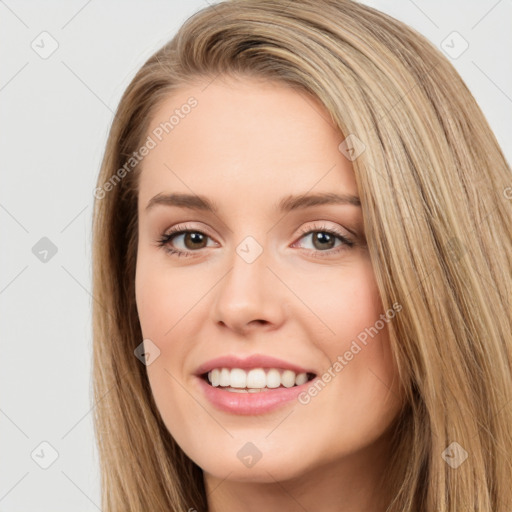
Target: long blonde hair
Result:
[435, 191]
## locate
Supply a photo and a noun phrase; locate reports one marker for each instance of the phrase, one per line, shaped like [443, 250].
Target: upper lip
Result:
[253, 361]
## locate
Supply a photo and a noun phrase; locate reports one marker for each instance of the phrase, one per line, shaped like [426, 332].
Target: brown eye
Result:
[194, 240]
[323, 240]
[190, 240]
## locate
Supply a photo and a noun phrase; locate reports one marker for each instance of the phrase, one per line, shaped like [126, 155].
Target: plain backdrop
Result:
[56, 111]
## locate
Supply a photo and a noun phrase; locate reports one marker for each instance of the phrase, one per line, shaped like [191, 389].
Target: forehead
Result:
[248, 137]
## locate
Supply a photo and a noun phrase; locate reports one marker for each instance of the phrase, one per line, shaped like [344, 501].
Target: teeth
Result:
[224, 377]
[301, 378]
[215, 377]
[288, 378]
[273, 378]
[237, 377]
[254, 380]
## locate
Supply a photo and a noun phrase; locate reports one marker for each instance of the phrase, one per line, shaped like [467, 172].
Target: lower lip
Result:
[250, 403]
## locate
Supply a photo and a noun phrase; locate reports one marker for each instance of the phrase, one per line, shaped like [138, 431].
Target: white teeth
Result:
[288, 379]
[238, 378]
[273, 379]
[254, 380]
[215, 377]
[224, 377]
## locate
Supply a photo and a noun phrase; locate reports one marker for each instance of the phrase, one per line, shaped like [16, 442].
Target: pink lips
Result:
[249, 403]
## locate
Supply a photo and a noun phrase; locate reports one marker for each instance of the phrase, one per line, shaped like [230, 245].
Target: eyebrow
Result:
[287, 204]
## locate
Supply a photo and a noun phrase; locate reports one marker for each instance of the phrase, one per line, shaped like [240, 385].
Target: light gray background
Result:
[55, 116]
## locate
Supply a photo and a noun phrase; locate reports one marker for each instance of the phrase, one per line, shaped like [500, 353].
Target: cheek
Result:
[162, 297]
[361, 320]
[354, 339]
[345, 302]
[168, 305]
[154, 303]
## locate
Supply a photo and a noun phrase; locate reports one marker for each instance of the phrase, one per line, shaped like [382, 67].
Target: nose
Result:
[250, 296]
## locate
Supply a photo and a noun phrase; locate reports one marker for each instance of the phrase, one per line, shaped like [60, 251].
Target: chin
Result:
[263, 471]
[268, 458]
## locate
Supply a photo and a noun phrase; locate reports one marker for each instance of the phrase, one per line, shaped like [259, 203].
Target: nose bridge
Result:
[249, 291]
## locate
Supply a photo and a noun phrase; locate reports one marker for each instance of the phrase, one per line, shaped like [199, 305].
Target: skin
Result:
[246, 145]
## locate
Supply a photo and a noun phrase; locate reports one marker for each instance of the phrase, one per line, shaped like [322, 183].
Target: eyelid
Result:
[322, 226]
[346, 241]
[180, 228]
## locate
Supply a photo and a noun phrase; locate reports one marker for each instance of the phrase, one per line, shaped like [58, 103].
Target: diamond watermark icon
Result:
[249, 249]
[44, 45]
[44, 455]
[44, 250]
[249, 454]
[147, 352]
[352, 147]
[454, 455]
[454, 45]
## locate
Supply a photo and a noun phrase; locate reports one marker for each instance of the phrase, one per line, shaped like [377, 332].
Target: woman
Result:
[241, 364]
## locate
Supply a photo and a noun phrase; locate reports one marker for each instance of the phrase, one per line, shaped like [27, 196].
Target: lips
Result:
[255, 385]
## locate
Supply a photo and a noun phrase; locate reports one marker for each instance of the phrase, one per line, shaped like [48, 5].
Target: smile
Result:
[238, 380]
[254, 385]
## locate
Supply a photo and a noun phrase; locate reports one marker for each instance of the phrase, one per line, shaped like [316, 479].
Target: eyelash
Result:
[164, 240]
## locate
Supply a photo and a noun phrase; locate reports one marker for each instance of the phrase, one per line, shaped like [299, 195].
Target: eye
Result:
[193, 240]
[323, 240]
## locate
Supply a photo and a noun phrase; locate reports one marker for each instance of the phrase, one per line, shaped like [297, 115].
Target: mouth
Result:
[254, 385]
[255, 380]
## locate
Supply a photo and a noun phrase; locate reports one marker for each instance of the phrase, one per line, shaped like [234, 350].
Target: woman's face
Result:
[272, 285]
